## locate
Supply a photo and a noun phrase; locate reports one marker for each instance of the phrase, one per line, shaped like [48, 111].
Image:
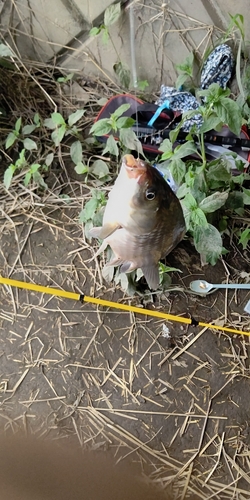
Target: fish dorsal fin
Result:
[103, 231]
[152, 277]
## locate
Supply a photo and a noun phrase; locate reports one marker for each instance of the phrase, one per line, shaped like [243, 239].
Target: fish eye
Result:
[150, 195]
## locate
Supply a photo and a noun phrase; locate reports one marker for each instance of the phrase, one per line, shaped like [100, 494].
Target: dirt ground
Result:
[176, 404]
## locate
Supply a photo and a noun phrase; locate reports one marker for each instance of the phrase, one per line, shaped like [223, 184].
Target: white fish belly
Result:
[141, 250]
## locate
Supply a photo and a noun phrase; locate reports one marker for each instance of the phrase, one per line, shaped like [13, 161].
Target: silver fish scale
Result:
[143, 250]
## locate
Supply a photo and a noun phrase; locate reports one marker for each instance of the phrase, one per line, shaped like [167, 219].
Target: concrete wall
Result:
[57, 31]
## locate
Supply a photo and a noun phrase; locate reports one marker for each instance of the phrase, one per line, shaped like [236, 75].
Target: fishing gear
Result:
[116, 305]
[154, 136]
[151, 137]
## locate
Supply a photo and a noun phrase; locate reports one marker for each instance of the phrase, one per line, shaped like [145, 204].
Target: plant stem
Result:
[203, 151]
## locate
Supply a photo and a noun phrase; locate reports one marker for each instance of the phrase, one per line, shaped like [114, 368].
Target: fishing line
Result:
[133, 58]
[132, 44]
[116, 305]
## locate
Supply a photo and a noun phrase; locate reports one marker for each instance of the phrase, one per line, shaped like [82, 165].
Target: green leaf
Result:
[123, 73]
[76, 152]
[167, 149]
[239, 25]
[102, 101]
[213, 202]
[5, 51]
[57, 118]
[198, 218]
[29, 144]
[111, 146]
[125, 122]
[101, 127]
[27, 178]
[105, 35]
[112, 13]
[11, 139]
[58, 134]
[190, 202]
[218, 172]
[209, 124]
[120, 111]
[181, 80]
[36, 119]
[88, 212]
[187, 65]
[94, 31]
[182, 191]
[214, 93]
[130, 141]
[174, 134]
[21, 161]
[80, 168]
[208, 243]
[235, 200]
[108, 273]
[178, 170]
[246, 196]
[100, 168]
[8, 175]
[49, 159]
[18, 125]
[75, 117]
[238, 70]
[244, 238]
[28, 129]
[229, 113]
[186, 149]
[65, 197]
[65, 79]
[167, 269]
[34, 167]
[142, 84]
[49, 123]
[37, 177]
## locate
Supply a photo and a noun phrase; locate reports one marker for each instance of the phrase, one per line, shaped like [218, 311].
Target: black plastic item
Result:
[152, 137]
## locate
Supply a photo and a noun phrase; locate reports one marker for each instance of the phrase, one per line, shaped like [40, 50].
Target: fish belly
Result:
[140, 250]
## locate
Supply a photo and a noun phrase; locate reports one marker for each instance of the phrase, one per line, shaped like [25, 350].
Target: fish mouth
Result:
[135, 168]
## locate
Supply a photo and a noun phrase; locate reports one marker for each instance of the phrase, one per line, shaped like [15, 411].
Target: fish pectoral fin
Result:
[152, 277]
[103, 231]
[127, 267]
[114, 262]
[100, 250]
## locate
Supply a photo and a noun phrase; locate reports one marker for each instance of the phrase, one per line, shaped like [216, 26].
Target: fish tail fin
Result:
[152, 277]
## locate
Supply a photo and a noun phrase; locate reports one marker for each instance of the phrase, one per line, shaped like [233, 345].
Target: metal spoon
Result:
[202, 286]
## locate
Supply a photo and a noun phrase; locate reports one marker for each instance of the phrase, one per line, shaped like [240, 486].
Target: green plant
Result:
[33, 171]
[114, 125]
[61, 128]
[206, 187]
[185, 71]
[111, 15]
[20, 133]
[92, 212]
[244, 238]
[122, 71]
[28, 137]
[66, 78]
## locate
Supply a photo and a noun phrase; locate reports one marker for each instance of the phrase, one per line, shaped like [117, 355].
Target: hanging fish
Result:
[143, 220]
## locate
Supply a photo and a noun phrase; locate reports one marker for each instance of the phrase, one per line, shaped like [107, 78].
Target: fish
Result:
[143, 220]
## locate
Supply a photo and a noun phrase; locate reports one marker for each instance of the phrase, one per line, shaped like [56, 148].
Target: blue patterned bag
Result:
[217, 69]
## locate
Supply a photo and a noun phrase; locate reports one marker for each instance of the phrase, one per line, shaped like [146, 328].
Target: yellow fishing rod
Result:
[116, 305]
